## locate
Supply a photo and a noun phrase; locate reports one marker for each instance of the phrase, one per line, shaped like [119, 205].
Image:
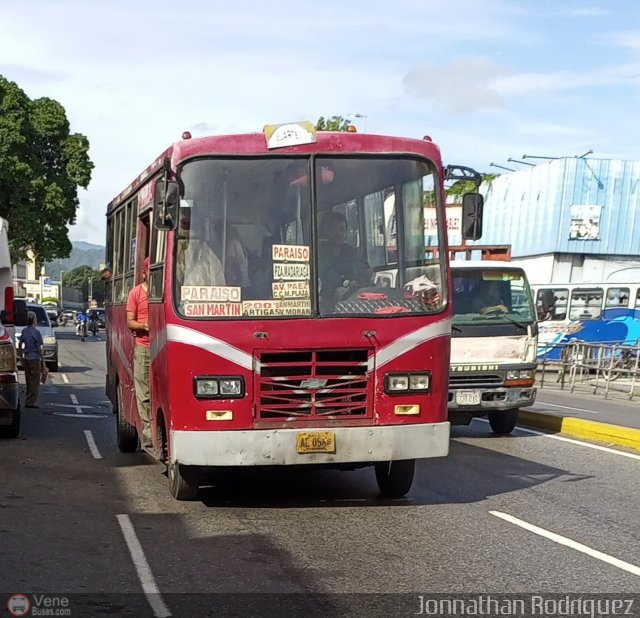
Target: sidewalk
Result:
[574, 414]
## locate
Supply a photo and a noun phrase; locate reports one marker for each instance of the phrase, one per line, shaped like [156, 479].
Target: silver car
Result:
[48, 337]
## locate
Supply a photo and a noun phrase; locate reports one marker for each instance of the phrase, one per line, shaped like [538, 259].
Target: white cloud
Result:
[463, 86]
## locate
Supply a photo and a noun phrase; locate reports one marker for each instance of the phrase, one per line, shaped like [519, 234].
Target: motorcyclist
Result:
[83, 319]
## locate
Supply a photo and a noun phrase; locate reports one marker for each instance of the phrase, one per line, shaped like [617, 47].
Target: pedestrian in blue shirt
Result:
[31, 343]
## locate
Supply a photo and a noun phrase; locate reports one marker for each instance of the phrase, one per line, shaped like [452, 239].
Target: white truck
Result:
[11, 313]
[493, 344]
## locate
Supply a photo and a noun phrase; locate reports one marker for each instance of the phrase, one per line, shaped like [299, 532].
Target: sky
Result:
[488, 80]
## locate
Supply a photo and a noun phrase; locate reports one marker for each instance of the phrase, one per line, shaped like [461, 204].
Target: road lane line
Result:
[563, 540]
[557, 405]
[597, 447]
[145, 575]
[74, 399]
[93, 447]
[65, 379]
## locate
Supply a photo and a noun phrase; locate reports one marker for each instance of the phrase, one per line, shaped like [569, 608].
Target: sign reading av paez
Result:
[290, 289]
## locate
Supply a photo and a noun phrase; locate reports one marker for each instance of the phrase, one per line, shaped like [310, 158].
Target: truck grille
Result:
[312, 384]
[466, 381]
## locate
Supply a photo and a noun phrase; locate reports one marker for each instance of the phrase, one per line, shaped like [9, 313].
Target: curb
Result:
[617, 435]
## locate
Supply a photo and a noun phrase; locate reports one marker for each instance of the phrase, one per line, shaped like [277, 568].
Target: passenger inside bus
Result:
[236, 262]
[196, 261]
[342, 271]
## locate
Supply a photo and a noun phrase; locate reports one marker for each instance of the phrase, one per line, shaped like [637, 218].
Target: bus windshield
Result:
[491, 295]
[300, 236]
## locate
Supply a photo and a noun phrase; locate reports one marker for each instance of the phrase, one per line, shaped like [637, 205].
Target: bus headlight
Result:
[407, 382]
[231, 386]
[218, 387]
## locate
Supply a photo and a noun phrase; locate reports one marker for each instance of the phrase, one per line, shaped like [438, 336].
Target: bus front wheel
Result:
[503, 421]
[183, 481]
[395, 477]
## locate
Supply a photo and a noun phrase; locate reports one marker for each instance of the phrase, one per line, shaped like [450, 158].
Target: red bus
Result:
[298, 313]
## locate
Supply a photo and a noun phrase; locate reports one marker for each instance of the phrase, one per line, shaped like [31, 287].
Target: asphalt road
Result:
[527, 513]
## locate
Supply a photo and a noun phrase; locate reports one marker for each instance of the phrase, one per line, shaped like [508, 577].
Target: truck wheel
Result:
[503, 421]
[127, 434]
[53, 366]
[13, 430]
[183, 481]
[395, 477]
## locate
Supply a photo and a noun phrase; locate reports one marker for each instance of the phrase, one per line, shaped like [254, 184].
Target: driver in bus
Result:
[341, 269]
[196, 263]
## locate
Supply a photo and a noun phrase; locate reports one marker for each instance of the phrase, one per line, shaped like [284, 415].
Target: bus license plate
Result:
[316, 442]
[468, 398]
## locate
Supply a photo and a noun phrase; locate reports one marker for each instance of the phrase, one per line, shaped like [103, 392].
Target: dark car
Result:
[97, 314]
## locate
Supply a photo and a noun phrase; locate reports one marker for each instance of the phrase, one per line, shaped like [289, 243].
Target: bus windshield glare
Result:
[300, 236]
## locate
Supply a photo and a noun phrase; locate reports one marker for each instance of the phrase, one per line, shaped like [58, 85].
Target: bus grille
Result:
[312, 384]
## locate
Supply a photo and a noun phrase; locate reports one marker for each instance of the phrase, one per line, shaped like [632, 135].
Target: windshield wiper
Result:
[456, 328]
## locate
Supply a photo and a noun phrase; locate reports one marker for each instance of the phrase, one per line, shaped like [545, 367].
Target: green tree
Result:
[460, 187]
[87, 280]
[335, 123]
[41, 167]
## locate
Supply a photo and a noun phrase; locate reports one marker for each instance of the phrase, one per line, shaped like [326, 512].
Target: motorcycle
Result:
[82, 330]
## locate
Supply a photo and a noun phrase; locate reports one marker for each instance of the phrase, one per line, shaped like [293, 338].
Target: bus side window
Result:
[617, 297]
[545, 304]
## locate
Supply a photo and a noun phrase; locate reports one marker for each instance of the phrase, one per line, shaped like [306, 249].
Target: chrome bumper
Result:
[495, 399]
[277, 447]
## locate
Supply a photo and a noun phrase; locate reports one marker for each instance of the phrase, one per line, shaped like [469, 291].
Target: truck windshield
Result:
[490, 296]
[329, 236]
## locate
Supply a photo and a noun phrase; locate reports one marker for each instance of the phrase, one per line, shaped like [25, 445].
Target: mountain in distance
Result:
[82, 253]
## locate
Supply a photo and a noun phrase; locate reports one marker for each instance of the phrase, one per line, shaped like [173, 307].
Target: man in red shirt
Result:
[138, 322]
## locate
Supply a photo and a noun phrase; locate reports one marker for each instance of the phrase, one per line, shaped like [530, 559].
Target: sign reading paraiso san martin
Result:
[209, 293]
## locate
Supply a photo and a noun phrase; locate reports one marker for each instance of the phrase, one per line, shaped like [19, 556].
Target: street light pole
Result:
[61, 291]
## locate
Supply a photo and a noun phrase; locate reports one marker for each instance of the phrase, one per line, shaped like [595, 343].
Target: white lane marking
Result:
[145, 575]
[64, 377]
[93, 447]
[74, 399]
[556, 405]
[563, 540]
[597, 447]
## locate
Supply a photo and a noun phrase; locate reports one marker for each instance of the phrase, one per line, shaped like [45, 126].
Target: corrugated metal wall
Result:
[534, 210]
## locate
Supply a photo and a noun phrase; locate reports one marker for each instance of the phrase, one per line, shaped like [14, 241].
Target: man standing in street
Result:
[31, 343]
[138, 322]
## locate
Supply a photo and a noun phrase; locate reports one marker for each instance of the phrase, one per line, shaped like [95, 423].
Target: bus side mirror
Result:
[20, 313]
[472, 206]
[165, 205]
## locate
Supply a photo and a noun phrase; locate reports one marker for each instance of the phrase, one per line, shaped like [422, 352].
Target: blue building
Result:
[568, 220]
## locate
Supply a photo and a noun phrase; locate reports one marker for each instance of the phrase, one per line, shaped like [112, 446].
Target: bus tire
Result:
[503, 421]
[395, 477]
[183, 481]
[127, 434]
[13, 430]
